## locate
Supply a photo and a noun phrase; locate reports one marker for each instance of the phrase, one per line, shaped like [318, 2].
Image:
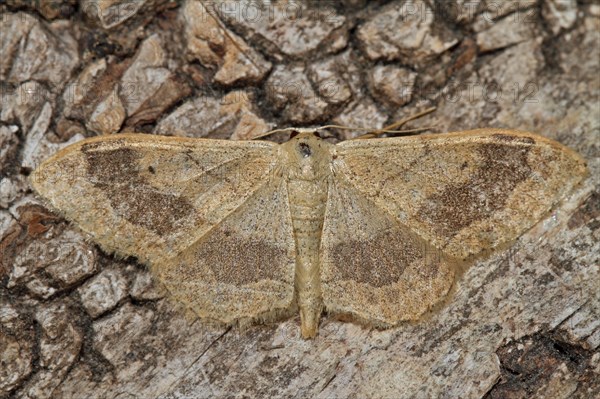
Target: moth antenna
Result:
[387, 129]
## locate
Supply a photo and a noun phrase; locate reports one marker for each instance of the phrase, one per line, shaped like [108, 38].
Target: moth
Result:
[374, 230]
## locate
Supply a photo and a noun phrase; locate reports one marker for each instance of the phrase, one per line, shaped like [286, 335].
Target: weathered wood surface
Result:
[77, 323]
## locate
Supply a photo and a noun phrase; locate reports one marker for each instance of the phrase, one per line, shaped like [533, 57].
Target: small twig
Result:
[230, 37]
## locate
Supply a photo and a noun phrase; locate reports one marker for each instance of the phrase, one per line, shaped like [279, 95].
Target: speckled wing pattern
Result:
[416, 206]
[374, 268]
[243, 268]
[162, 198]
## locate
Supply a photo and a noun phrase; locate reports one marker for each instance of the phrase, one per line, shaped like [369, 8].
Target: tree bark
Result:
[78, 323]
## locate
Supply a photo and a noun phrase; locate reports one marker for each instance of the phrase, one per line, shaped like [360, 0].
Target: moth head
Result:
[305, 151]
[305, 143]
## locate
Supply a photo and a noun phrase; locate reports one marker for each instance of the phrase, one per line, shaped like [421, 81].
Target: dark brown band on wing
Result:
[240, 261]
[377, 262]
[117, 173]
[504, 166]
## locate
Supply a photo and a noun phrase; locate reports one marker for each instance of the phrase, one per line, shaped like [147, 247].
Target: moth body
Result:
[308, 171]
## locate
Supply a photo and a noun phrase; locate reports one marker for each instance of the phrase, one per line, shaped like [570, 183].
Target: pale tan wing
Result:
[211, 217]
[462, 192]
[243, 268]
[372, 267]
[152, 196]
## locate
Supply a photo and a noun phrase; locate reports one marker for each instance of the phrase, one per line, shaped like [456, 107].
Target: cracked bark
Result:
[523, 323]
